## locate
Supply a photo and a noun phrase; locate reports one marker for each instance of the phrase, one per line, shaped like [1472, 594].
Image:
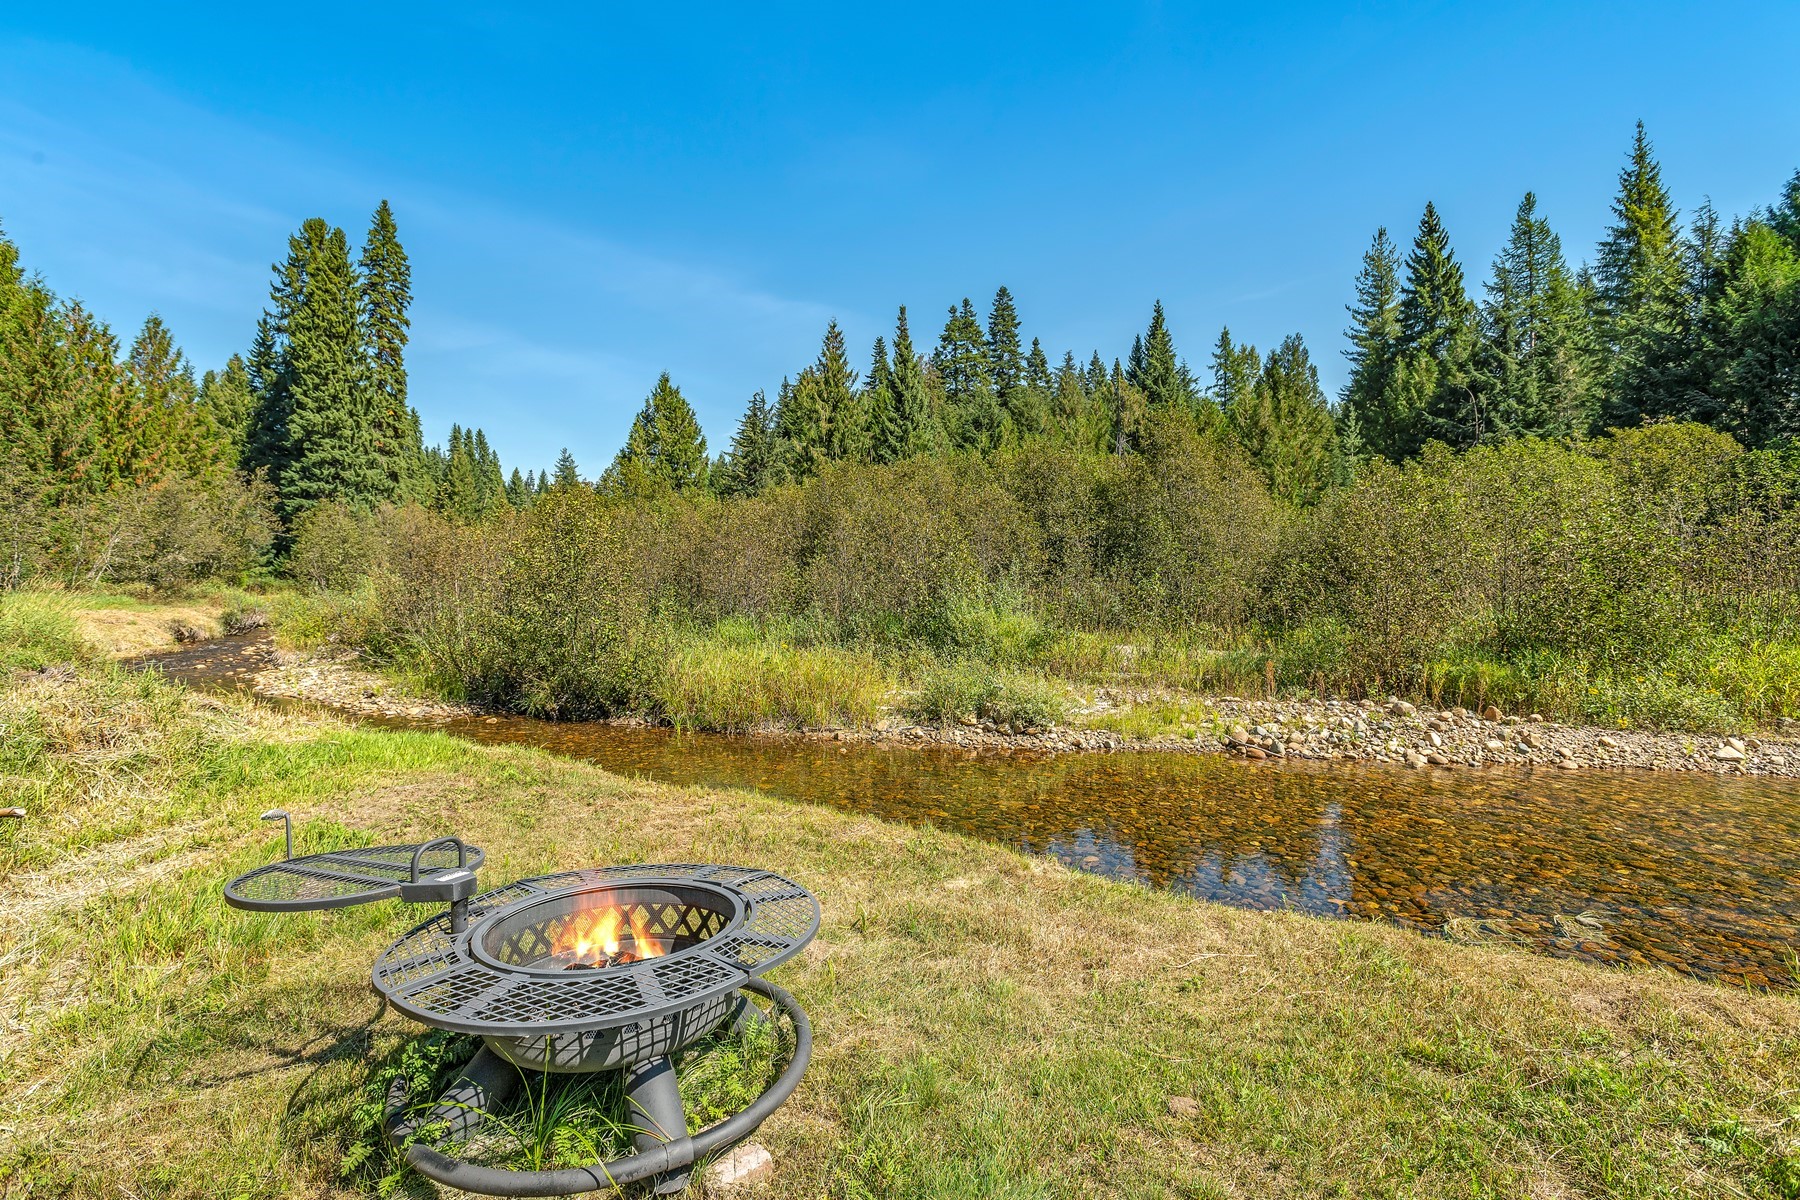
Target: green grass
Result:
[989, 1025]
[1175, 716]
[948, 692]
[37, 630]
[716, 683]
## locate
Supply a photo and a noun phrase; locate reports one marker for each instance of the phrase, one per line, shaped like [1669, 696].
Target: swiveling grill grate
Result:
[341, 877]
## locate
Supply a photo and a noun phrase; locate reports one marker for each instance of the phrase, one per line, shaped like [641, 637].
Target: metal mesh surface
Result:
[501, 989]
[338, 877]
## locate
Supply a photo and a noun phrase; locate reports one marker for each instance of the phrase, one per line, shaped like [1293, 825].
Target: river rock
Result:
[1728, 754]
[1490, 713]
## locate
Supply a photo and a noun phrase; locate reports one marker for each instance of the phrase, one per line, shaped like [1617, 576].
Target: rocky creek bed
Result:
[1396, 731]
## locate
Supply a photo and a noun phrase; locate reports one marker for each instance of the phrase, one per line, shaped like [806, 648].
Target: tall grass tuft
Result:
[715, 684]
[37, 630]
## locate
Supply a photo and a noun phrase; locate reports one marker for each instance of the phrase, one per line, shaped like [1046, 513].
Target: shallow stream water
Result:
[1688, 870]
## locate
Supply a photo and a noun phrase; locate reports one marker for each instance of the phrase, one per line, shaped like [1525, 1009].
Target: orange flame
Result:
[591, 937]
[642, 941]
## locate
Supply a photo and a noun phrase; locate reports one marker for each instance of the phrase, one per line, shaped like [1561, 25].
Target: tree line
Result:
[1701, 325]
[1698, 324]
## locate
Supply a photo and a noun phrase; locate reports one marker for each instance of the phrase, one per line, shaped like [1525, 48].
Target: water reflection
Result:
[1691, 871]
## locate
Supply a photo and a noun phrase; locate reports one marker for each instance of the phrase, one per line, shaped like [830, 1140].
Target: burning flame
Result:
[592, 938]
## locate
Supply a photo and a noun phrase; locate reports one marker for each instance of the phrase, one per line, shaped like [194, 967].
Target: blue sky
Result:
[595, 195]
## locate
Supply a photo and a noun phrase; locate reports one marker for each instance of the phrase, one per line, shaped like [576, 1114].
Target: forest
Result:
[1570, 485]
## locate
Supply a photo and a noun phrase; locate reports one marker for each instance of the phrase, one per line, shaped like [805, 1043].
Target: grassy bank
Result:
[989, 1025]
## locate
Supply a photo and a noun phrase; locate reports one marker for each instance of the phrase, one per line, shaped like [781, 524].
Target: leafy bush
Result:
[960, 690]
[335, 548]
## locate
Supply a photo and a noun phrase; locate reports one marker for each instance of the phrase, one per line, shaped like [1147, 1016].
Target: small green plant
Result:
[963, 690]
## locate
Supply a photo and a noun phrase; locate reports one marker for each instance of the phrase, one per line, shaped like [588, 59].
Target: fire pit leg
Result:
[654, 1103]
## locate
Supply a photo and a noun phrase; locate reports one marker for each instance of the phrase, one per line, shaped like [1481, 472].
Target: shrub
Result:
[334, 548]
[959, 690]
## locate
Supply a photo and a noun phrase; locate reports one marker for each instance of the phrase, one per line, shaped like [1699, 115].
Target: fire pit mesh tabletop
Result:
[340, 878]
[594, 949]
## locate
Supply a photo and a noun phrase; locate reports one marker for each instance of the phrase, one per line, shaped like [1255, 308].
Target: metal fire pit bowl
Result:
[502, 977]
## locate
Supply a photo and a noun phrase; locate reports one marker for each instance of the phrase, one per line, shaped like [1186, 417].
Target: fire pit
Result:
[604, 969]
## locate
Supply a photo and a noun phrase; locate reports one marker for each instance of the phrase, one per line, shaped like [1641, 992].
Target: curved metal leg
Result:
[663, 1158]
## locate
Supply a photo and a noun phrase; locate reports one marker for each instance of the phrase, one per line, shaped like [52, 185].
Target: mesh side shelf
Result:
[337, 878]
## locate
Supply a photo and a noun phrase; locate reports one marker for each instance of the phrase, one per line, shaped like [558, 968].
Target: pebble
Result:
[743, 1165]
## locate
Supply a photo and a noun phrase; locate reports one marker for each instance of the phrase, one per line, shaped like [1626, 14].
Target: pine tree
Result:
[1037, 369]
[1436, 391]
[1076, 419]
[1753, 345]
[161, 430]
[1155, 370]
[1285, 425]
[518, 491]
[1235, 369]
[1642, 292]
[665, 449]
[1784, 217]
[230, 401]
[819, 419]
[385, 291]
[753, 461]
[566, 474]
[268, 443]
[1127, 409]
[490, 483]
[1006, 362]
[1096, 374]
[330, 427]
[914, 411]
[1374, 335]
[887, 437]
[973, 413]
[1536, 335]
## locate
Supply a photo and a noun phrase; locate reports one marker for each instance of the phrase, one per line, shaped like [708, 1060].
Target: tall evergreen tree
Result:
[887, 441]
[1006, 363]
[1752, 351]
[162, 430]
[565, 474]
[230, 400]
[1436, 391]
[518, 490]
[665, 448]
[1374, 335]
[820, 419]
[915, 415]
[754, 459]
[1155, 369]
[1235, 369]
[385, 293]
[1536, 330]
[334, 455]
[1642, 292]
[973, 411]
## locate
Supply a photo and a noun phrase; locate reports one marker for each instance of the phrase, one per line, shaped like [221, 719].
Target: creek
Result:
[1687, 870]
